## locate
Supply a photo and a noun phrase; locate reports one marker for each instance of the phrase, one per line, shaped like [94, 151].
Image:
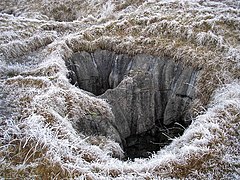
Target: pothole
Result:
[150, 96]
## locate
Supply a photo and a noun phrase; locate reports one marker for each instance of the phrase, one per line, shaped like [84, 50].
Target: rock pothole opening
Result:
[149, 96]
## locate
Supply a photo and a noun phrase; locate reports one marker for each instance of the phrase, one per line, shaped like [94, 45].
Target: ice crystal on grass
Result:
[107, 9]
[38, 106]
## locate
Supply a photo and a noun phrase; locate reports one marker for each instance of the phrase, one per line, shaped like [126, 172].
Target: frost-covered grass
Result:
[39, 107]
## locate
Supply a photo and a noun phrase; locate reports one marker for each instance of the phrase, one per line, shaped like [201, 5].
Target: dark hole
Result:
[144, 144]
[150, 96]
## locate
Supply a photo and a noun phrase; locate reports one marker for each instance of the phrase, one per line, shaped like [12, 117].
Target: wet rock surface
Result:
[149, 96]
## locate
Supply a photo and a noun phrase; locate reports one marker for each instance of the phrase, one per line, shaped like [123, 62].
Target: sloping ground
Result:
[39, 105]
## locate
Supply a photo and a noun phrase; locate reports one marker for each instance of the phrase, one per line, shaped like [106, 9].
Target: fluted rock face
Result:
[148, 95]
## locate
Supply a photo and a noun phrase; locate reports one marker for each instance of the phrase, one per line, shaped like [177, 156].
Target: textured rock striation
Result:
[150, 97]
